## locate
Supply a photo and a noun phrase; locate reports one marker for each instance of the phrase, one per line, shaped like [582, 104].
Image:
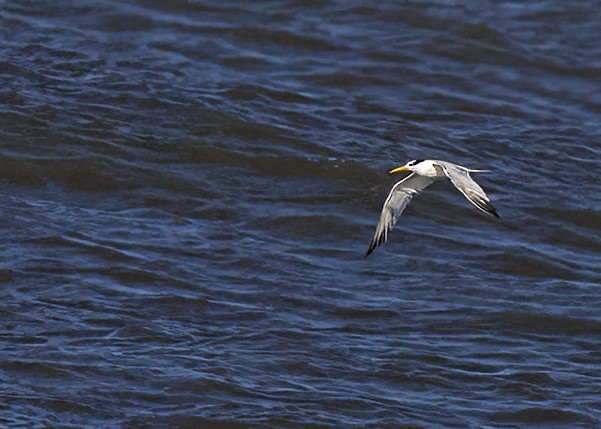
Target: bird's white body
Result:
[424, 172]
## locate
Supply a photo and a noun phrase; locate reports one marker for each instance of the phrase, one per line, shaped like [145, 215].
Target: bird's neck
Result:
[428, 169]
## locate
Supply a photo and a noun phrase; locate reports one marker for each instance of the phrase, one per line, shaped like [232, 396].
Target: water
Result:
[189, 186]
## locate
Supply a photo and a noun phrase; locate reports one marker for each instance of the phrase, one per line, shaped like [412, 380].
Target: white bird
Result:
[424, 172]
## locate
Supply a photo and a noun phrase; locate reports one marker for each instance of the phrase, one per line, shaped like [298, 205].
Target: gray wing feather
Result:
[460, 178]
[399, 197]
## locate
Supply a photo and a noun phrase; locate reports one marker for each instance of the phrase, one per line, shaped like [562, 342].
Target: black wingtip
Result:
[488, 209]
[484, 205]
[377, 241]
[492, 211]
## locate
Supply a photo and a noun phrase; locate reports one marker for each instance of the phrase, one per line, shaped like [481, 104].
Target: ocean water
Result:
[188, 188]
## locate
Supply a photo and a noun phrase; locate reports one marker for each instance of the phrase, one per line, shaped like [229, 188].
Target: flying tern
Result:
[424, 172]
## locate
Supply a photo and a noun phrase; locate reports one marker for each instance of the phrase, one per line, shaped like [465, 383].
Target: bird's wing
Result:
[399, 197]
[460, 178]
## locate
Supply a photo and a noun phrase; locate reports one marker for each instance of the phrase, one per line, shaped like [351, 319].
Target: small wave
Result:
[542, 323]
[539, 416]
[281, 37]
[279, 166]
[585, 218]
[519, 264]
[309, 227]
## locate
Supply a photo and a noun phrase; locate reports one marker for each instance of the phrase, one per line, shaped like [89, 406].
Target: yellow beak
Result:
[398, 169]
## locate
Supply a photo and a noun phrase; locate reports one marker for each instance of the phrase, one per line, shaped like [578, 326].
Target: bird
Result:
[424, 172]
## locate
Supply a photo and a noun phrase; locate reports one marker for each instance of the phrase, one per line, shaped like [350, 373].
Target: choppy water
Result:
[188, 187]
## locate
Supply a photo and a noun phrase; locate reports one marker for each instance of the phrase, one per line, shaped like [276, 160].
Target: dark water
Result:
[188, 187]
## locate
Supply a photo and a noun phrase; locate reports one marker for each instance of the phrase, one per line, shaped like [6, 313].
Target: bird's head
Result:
[410, 166]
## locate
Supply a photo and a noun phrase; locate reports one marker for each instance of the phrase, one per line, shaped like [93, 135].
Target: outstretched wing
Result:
[460, 178]
[399, 197]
